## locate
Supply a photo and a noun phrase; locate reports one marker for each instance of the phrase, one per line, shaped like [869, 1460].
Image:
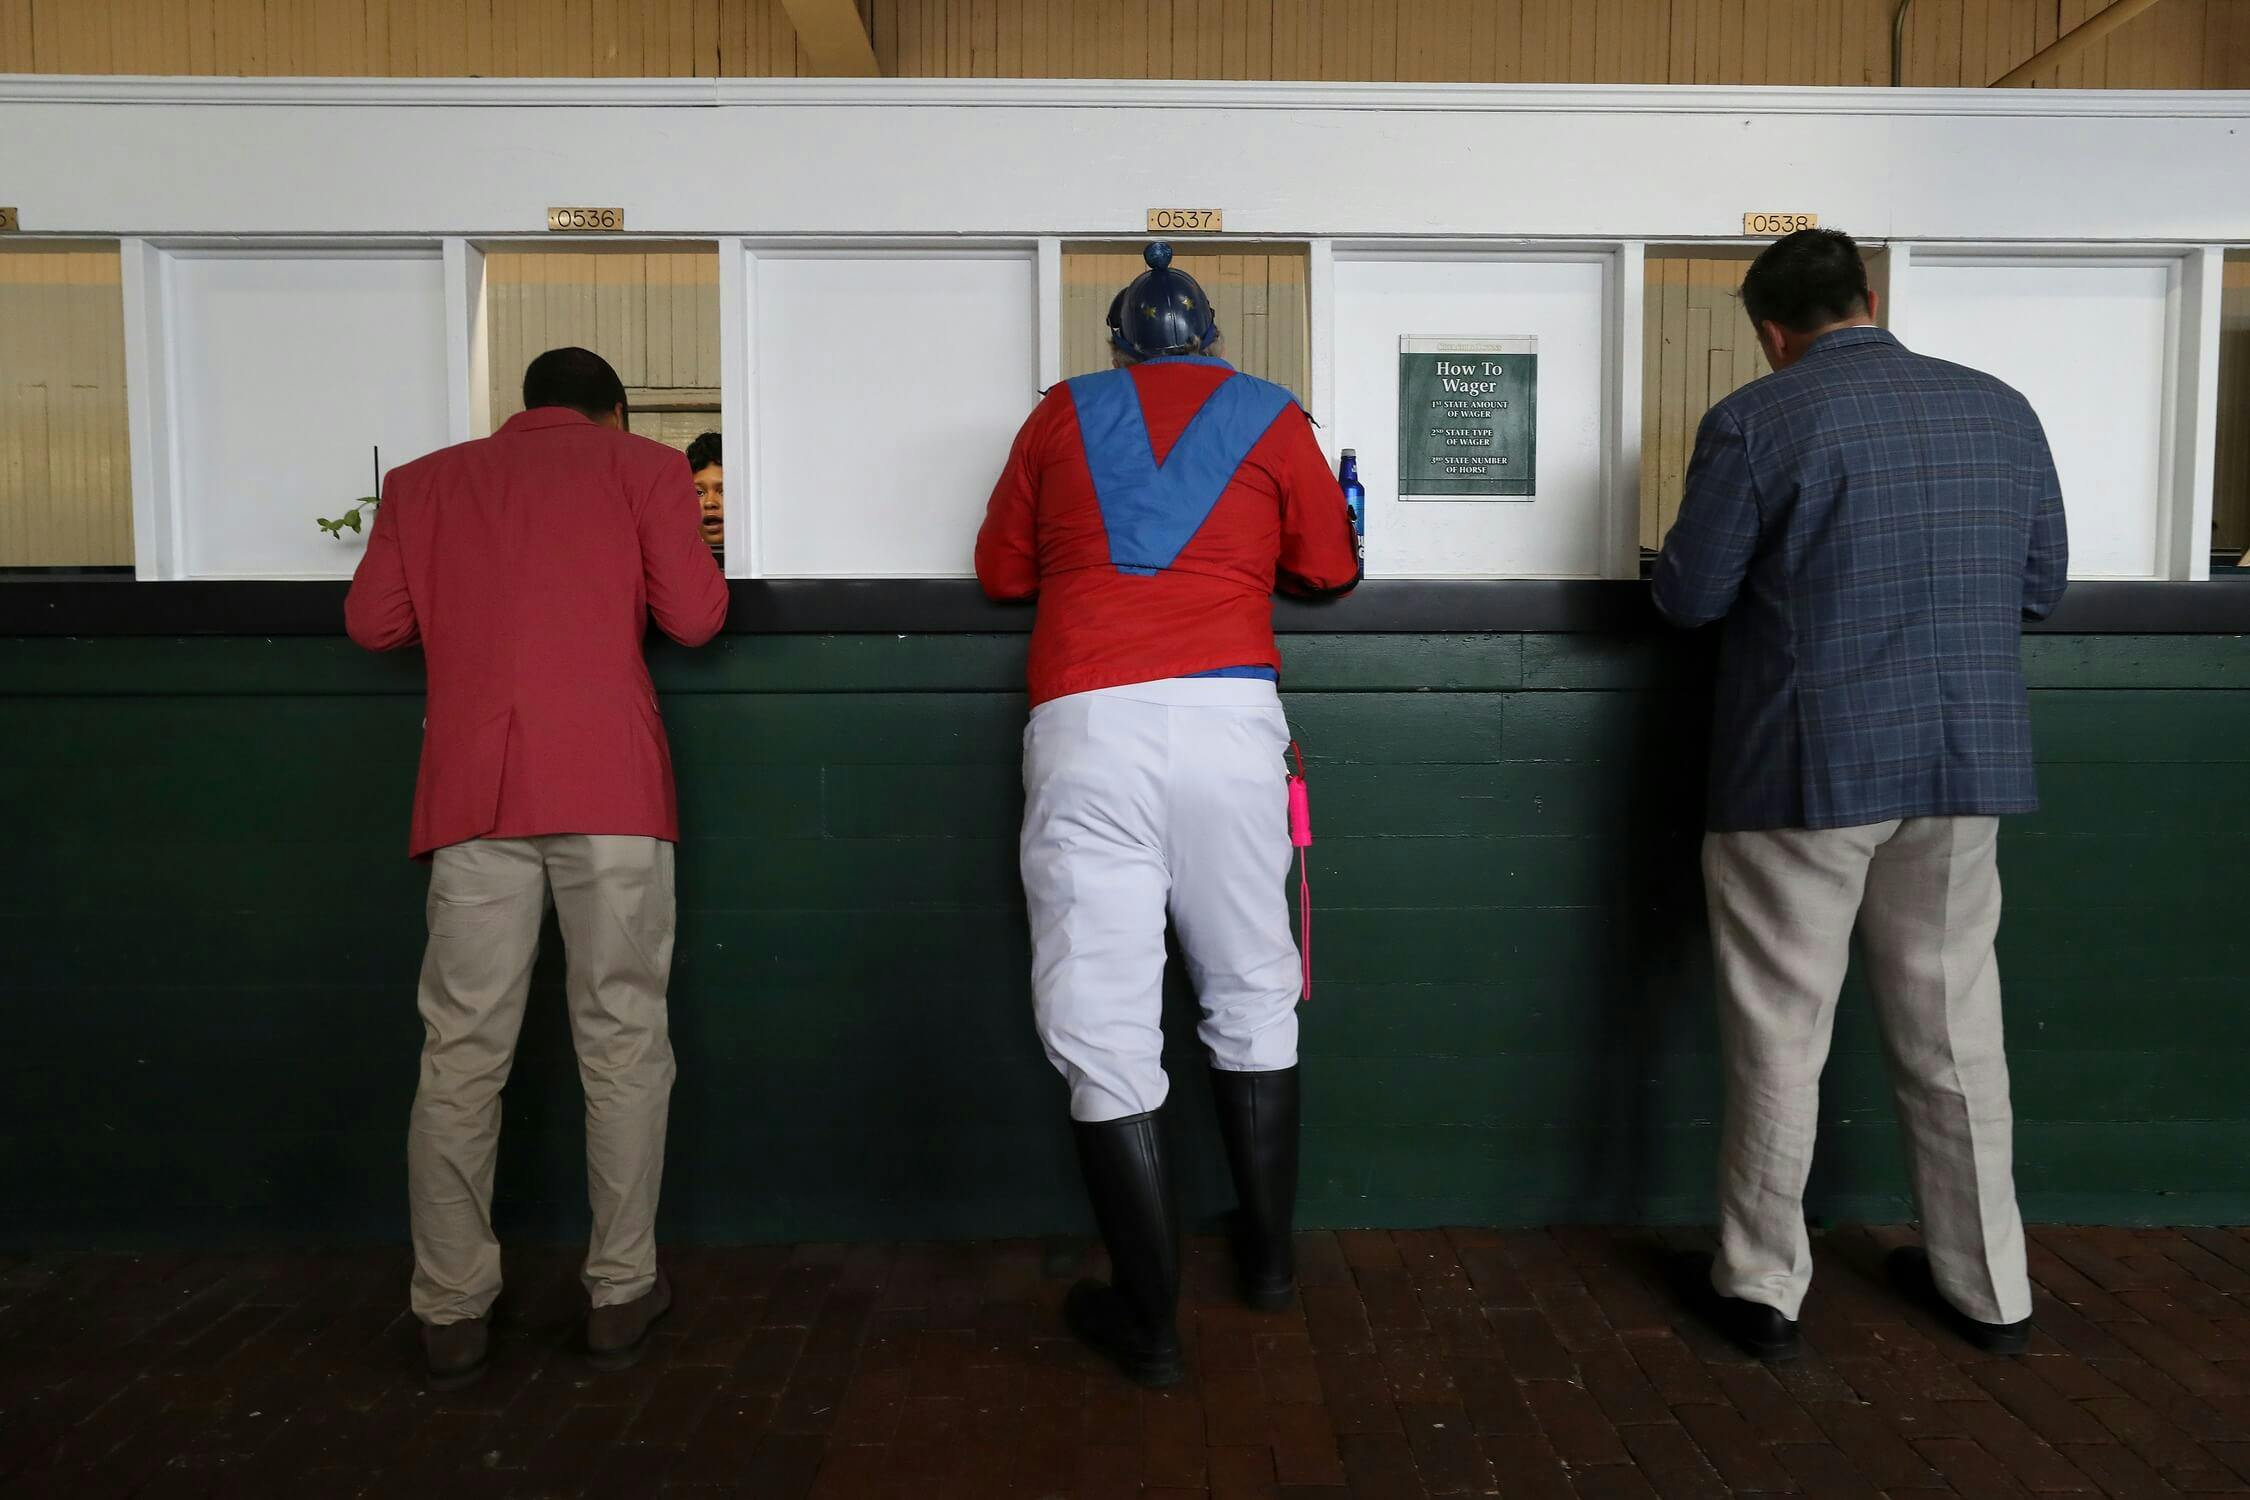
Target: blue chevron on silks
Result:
[1151, 510]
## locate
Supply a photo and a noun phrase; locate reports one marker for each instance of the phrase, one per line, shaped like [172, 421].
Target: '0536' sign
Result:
[598, 219]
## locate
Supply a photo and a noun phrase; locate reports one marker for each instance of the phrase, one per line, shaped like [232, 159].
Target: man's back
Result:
[527, 565]
[1875, 525]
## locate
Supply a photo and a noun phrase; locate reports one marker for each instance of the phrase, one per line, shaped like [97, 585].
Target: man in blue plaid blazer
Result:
[1874, 527]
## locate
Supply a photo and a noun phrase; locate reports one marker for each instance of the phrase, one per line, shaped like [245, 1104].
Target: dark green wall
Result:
[211, 936]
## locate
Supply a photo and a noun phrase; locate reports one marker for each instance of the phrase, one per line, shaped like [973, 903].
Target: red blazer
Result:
[527, 565]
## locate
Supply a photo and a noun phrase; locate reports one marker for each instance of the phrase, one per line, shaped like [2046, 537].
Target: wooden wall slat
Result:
[65, 491]
[1259, 295]
[654, 315]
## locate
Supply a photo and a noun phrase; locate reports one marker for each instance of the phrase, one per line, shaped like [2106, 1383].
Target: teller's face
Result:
[711, 489]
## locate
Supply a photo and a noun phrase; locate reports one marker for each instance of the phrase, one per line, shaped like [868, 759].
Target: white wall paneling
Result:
[922, 157]
[156, 517]
[738, 417]
[1320, 336]
[1621, 434]
[2094, 342]
[1564, 300]
[887, 385]
[276, 373]
[468, 343]
[1050, 311]
[2202, 293]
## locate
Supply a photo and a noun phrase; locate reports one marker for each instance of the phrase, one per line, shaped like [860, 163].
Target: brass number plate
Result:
[8, 221]
[581, 219]
[1778, 224]
[1190, 220]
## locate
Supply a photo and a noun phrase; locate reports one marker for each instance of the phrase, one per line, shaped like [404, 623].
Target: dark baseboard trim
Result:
[116, 606]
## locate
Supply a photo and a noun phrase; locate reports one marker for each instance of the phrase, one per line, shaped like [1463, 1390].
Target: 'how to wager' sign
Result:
[1468, 418]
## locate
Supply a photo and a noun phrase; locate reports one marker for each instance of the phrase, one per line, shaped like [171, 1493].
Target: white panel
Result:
[156, 532]
[2195, 414]
[1558, 533]
[737, 412]
[888, 388]
[288, 369]
[2088, 344]
[1621, 545]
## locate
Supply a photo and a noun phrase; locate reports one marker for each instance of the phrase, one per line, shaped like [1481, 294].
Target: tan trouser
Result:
[1925, 894]
[613, 899]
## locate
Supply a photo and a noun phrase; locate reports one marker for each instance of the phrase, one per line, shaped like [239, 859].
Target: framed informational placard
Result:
[1468, 418]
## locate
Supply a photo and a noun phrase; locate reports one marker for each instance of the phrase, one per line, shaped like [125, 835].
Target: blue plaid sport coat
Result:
[1874, 527]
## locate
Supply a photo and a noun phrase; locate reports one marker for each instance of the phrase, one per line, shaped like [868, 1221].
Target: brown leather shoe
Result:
[617, 1336]
[455, 1354]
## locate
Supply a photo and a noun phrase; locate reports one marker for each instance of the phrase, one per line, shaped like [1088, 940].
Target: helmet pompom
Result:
[1158, 255]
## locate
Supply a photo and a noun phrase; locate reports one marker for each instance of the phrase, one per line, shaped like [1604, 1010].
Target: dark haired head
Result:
[703, 453]
[577, 378]
[1807, 281]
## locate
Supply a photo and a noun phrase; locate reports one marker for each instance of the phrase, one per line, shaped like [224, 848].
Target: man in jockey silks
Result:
[1151, 510]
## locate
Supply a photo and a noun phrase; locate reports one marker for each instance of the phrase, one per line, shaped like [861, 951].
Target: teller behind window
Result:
[710, 491]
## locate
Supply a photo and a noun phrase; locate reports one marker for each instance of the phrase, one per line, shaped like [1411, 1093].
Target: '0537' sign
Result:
[1186, 221]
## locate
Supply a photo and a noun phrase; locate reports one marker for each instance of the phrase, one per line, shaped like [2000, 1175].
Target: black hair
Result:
[577, 378]
[703, 453]
[1807, 280]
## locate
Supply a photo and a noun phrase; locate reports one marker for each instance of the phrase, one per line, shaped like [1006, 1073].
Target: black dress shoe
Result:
[455, 1354]
[1756, 1329]
[1909, 1270]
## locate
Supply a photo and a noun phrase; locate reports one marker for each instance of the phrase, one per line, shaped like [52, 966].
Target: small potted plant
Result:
[352, 517]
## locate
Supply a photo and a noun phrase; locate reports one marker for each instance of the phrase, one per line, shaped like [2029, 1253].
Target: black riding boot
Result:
[1258, 1119]
[1134, 1319]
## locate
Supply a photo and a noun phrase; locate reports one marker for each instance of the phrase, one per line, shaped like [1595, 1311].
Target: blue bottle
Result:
[1355, 499]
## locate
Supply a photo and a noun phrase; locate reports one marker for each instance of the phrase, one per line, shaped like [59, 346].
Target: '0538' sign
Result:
[1778, 224]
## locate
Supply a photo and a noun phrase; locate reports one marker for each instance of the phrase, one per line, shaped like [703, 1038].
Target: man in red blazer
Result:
[527, 565]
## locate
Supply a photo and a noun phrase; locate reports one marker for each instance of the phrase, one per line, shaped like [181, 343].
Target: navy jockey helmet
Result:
[1162, 312]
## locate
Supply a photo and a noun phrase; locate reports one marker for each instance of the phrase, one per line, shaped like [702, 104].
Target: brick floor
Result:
[1454, 1362]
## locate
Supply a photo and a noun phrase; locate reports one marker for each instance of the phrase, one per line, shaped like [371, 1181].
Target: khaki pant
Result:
[1925, 895]
[613, 899]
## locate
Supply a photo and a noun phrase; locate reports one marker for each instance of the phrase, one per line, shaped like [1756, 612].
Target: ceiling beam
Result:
[835, 37]
[2072, 42]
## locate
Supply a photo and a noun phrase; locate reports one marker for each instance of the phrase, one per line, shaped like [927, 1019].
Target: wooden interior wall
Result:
[66, 492]
[1950, 43]
[2230, 503]
[654, 315]
[1696, 347]
[1258, 295]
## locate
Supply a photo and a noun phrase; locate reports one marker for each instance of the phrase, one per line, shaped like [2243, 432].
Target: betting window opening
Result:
[66, 486]
[2230, 496]
[1698, 347]
[1259, 295]
[652, 311]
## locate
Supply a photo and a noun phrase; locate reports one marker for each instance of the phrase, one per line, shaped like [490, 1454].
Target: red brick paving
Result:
[1424, 1363]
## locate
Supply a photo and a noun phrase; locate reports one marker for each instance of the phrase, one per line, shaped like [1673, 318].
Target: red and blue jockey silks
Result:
[1152, 511]
[1153, 508]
